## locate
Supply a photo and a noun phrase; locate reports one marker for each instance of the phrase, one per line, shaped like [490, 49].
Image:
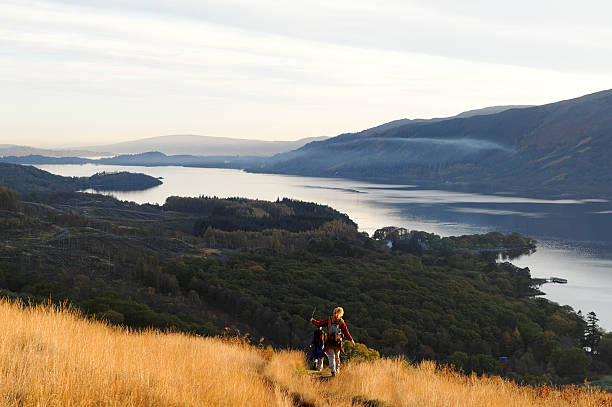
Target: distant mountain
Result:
[558, 149]
[204, 146]
[148, 159]
[413, 122]
[7, 150]
[156, 158]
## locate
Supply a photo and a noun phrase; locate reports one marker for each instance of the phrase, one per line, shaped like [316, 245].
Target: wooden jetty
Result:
[557, 280]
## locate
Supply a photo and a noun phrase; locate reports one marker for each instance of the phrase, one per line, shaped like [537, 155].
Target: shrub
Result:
[359, 353]
[570, 362]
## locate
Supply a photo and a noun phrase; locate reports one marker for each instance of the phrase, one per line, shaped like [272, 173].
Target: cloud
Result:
[537, 35]
[275, 69]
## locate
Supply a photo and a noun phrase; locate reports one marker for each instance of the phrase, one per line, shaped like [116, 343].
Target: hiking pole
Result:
[313, 312]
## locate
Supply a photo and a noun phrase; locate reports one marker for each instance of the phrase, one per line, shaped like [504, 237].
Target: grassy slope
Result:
[53, 357]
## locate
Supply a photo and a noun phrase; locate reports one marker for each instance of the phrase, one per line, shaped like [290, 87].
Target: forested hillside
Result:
[27, 179]
[444, 299]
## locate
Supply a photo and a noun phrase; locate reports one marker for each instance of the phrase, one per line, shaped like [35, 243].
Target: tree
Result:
[8, 199]
[592, 333]
[481, 363]
[570, 362]
[605, 348]
[544, 344]
[458, 360]
[112, 317]
[390, 233]
[393, 337]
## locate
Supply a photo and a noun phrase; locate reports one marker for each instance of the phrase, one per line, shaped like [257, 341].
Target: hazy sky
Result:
[78, 72]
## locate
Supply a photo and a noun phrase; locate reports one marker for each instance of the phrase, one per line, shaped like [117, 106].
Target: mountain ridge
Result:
[203, 145]
[557, 149]
[15, 150]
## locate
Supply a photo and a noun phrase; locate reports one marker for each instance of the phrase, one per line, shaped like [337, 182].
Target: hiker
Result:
[316, 352]
[333, 344]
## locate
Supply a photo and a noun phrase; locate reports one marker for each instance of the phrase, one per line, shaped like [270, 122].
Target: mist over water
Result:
[574, 235]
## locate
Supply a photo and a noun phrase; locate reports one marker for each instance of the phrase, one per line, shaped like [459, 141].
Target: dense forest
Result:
[239, 214]
[116, 181]
[202, 264]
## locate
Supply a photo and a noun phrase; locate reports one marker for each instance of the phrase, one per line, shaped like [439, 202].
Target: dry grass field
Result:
[53, 357]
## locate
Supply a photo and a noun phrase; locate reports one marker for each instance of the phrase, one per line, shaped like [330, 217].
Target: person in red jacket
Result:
[333, 344]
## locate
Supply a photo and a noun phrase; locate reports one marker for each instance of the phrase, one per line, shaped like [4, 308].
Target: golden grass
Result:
[53, 357]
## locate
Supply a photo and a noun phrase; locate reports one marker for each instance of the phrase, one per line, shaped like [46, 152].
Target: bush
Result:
[571, 362]
[482, 363]
[359, 353]
[458, 360]
[112, 317]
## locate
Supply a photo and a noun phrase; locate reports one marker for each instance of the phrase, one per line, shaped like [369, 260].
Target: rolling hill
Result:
[22, 151]
[27, 179]
[560, 149]
[203, 146]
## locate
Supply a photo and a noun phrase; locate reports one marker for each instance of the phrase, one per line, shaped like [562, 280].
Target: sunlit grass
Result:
[54, 357]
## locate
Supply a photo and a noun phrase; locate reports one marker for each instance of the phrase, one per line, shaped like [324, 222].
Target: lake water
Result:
[575, 239]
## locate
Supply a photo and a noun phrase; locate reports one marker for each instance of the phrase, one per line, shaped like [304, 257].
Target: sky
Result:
[86, 72]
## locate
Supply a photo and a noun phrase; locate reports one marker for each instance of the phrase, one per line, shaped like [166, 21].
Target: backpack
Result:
[318, 338]
[334, 333]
